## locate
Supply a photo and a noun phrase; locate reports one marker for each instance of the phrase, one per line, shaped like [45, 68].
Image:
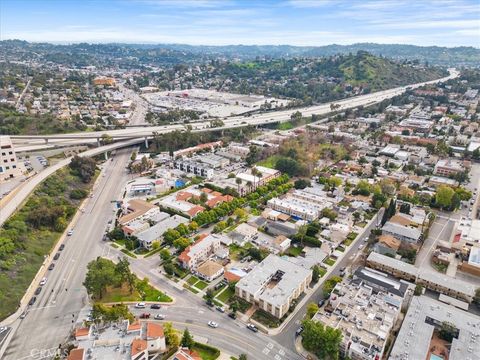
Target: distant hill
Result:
[167, 54]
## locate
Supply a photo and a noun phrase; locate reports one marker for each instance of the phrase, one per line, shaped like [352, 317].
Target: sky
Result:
[225, 22]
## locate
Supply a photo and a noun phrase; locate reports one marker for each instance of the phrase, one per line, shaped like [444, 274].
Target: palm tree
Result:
[249, 184]
[239, 182]
[255, 173]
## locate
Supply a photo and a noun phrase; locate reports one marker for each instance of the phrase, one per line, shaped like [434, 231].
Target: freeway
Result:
[229, 123]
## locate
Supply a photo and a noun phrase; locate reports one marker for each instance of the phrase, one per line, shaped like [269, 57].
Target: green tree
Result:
[181, 243]
[193, 226]
[443, 196]
[209, 295]
[100, 274]
[312, 309]
[187, 339]
[330, 284]
[122, 268]
[321, 340]
[242, 357]
[165, 254]
[171, 336]
[315, 273]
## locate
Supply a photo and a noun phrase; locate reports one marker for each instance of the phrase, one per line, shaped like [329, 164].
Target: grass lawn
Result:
[362, 224]
[216, 292]
[340, 248]
[329, 261]
[122, 294]
[153, 252]
[206, 352]
[347, 242]
[322, 271]
[192, 280]
[294, 251]
[114, 245]
[266, 319]
[201, 284]
[129, 253]
[269, 162]
[225, 295]
[243, 305]
[181, 273]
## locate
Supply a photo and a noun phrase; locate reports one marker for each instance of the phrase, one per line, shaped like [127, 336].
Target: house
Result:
[76, 354]
[281, 243]
[155, 232]
[199, 251]
[82, 333]
[186, 354]
[273, 284]
[243, 233]
[387, 244]
[209, 270]
[401, 232]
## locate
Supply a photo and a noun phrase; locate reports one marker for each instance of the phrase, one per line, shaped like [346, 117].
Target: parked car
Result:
[22, 316]
[70, 232]
[212, 324]
[43, 281]
[321, 303]
[140, 305]
[38, 291]
[159, 317]
[61, 247]
[145, 316]
[221, 309]
[32, 301]
[299, 331]
[57, 255]
[342, 271]
[252, 327]
[232, 315]
[51, 267]
[155, 306]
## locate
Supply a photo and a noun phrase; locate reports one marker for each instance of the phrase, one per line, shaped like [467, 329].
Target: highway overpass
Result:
[37, 142]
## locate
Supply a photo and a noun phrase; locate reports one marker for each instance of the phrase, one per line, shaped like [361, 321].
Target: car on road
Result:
[361, 247]
[32, 301]
[232, 315]
[140, 305]
[145, 316]
[3, 329]
[252, 327]
[22, 316]
[366, 239]
[342, 271]
[43, 281]
[212, 324]
[321, 303]
[38, 291]
[155, 306]
[61, 247]
[51, 267]
[220, 308]
[57, 255]
[70, 232]
[299, 331]
[159, 317]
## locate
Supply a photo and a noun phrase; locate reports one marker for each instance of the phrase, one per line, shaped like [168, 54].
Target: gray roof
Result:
[413, 340]
[381, 280]
[156, 231]
[401, 230]
[392, 263]
[447, 281]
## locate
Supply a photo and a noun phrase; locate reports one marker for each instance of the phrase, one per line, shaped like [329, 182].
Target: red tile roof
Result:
[138, 345]
[154, 330]
[76, 354]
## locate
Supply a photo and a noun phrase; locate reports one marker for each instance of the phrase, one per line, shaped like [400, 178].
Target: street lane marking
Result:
[270, 346]
[42, 307]
[266, 351]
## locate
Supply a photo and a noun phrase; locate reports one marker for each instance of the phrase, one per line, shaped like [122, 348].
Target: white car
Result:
[140, 305]
[70, 233]
[159, 317]
[212, 324]
[43, 281]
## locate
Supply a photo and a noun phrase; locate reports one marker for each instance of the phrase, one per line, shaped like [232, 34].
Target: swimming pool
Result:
[435, 357]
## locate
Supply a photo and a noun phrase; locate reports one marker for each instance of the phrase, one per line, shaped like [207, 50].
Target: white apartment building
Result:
[273, 284]
[199, 251]
[9, 167]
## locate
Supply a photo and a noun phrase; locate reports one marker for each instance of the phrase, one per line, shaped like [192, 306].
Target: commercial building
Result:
[9, 167]
[193, 167]
[365, 317]
[199, 251]
[420, 335]
[447, 167]
[273, 284]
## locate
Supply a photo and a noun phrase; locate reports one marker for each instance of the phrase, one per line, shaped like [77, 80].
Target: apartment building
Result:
[365, 317]
[137, 209]
[296, 207]
[273, 284]
[199, 251]
[402, 232]
[9, 167]
[193, 167]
